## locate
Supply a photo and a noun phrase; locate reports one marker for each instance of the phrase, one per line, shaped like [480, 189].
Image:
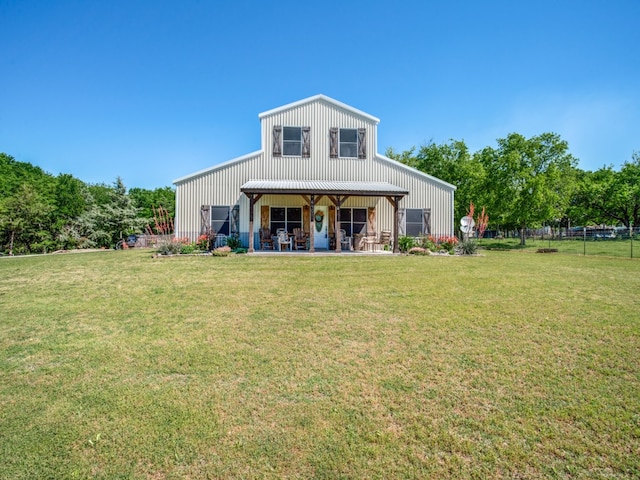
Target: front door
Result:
[321, 228]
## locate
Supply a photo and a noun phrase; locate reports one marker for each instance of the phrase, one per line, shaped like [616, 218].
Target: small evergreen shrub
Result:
[234, 243]
[467, 247]
[187, 248]
[406, 243]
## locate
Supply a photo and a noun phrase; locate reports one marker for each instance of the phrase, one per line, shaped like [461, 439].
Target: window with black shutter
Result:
[292, 141]
[415, 222]
[348, 143]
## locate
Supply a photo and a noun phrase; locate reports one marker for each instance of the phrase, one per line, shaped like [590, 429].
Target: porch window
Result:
[285, 217]
[353, 220]
[220, 220]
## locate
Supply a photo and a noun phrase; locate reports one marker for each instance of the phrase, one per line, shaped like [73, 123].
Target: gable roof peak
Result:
[321, 98]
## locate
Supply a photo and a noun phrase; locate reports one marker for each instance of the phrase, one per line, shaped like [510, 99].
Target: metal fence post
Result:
[631, 237]
[584, 241]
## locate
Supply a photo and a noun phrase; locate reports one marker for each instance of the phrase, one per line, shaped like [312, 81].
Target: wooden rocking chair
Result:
[266, 240]
[386, 240]
[299, 238]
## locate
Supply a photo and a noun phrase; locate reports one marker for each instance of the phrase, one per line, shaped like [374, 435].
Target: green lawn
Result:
[507, 365]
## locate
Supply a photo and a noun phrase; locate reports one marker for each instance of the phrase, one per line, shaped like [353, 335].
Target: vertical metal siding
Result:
[320, 116]
[222, 186]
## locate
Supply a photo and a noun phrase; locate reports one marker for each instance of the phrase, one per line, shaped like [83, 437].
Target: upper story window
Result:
[291, 141]
[347, 143]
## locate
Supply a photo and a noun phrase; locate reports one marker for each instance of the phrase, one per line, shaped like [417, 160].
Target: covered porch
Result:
[312, 192]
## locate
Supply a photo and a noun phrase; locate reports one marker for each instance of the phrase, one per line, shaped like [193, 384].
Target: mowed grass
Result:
[617, 247]
[506, 365]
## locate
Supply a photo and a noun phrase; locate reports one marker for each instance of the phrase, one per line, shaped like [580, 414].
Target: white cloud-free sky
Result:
[154, 90]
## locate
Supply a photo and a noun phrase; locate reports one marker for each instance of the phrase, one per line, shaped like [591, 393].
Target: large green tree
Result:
[452, 163]
[608, 196]
[528, 181]
[106, 221]
[119, 217]
[40, 212]
[70, 197]
[24, 221]
[14, 174]
[149, 200]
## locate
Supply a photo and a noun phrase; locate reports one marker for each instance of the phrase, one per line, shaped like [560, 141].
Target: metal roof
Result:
[324, 187]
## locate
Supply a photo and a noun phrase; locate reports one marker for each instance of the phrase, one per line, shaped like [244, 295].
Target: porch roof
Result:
[323, 187]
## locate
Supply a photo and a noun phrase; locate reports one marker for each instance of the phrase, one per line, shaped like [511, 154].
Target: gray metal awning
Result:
[323, 187]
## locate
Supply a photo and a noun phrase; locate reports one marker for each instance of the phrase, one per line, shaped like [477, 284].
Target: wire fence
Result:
[614, 242]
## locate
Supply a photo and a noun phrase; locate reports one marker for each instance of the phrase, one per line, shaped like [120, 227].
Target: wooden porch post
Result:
[396, 201]
[337, 225]
[252, 203]
[312, 219]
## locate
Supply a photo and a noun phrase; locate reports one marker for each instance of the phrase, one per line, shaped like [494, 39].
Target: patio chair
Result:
[266, 240]
[345, 242]
[385, 239]
[220, 240]
[283, 239]
[357, 241]
[299, 238]
[371, 241]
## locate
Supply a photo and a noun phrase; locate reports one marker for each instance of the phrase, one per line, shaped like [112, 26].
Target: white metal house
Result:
[317, 170]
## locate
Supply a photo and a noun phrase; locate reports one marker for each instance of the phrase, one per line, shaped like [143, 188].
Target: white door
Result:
[321, 228]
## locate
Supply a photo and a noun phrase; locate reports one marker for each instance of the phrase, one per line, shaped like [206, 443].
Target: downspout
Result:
[453, 214]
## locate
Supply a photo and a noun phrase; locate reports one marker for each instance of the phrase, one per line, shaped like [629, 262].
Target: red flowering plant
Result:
[429, 243]
[202, 243]
[447, 243]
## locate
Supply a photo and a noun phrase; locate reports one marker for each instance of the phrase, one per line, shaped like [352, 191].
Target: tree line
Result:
[522, 183]
[40, 212]
[529, 182]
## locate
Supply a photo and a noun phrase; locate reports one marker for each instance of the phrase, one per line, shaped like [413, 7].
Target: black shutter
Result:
[362, 143]
[306, 143]
[235, 220]
[205, 219]
[277, 143]
[333, 143]
[402, 225]
[426, 221]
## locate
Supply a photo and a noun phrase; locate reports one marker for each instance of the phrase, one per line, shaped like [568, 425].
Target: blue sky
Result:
[154, 90]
